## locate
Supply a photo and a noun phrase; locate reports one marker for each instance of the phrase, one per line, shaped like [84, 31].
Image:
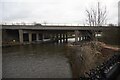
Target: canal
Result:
[36, 61]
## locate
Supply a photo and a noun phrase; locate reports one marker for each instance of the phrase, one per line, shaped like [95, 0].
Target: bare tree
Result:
[96, 17]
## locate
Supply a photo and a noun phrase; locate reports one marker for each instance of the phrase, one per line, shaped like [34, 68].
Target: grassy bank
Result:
[88, 55]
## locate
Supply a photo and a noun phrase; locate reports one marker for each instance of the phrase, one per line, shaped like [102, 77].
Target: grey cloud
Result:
[52, 11]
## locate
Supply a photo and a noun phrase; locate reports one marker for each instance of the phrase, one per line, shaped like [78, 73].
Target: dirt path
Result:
[103, 45]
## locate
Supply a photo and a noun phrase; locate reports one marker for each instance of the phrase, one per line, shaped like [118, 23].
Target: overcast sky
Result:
[54, 11]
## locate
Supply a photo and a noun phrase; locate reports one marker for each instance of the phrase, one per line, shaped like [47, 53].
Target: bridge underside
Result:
[61, 36]
[30, 33]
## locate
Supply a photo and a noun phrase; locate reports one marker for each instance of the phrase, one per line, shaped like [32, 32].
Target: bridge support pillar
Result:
[76, 35]
[80, 35]
[66, 38]
[63, 38]
[79, 38]
[21, 36]
[43, 37]
[37, 36]
[51, 37]
[84, 37]
[60, 38]
[57, 38]
[30, 37]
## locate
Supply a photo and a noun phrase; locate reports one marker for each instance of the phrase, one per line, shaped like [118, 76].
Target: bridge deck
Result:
[39, 27]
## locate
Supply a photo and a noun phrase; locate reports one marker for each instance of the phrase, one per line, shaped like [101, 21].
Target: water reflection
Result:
[36, 61]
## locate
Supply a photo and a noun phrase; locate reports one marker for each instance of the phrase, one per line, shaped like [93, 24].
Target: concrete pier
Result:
[66, 38]
[37, 36]
[30, 37]
[21, 36]
[60, 38]
[63, 38]
[76, 35]
[51, 37]
[57, 38]
[43, 37]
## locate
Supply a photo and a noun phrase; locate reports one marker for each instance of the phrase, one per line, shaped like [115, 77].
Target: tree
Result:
[96, 17]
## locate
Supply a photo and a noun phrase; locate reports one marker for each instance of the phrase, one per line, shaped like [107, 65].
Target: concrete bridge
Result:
[54, 27]
[54, 32]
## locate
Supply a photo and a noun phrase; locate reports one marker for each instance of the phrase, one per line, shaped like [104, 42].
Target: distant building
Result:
[119, 13]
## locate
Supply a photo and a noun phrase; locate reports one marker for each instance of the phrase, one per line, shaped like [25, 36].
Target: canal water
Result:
[36, 61]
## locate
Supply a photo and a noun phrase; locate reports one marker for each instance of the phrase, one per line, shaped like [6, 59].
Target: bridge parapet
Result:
[50, 27]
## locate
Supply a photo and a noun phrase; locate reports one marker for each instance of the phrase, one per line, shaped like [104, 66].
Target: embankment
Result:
[88, 55]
